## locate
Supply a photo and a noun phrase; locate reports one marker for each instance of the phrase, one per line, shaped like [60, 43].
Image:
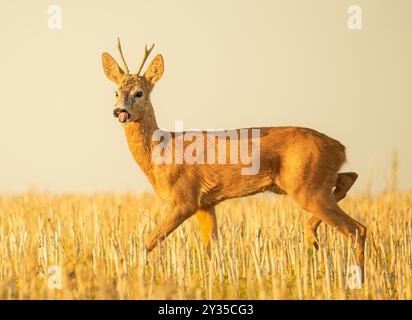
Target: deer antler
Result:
[119, 48]
[146, 54]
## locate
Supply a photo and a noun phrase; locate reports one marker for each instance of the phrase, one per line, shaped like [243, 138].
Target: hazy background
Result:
[227, 64]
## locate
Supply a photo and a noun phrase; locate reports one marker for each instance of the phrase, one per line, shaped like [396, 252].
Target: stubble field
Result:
[92, 247]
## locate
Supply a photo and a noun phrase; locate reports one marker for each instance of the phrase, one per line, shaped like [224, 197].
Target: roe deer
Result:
[299, 162]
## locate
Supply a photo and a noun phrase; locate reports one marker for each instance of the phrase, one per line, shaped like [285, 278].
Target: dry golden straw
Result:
[98, 242]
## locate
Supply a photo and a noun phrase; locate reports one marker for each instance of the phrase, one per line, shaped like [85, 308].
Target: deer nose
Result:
[117, 111]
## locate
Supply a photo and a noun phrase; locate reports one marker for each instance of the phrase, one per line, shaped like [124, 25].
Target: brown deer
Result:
[299, 162]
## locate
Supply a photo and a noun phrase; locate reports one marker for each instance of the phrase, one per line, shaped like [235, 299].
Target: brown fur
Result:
[299, 162]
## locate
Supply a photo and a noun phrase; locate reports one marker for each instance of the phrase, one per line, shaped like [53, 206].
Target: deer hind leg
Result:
[323, 205]
[344, 182]
[208, 226]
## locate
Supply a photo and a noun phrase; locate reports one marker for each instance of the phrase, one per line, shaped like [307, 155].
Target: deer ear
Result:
[111, 68]
[155, 70]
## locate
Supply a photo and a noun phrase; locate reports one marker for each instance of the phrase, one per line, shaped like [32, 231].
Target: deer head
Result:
[133, 91]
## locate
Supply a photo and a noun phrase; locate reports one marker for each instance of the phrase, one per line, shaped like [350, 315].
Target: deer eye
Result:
[116, 94]
[139, 94]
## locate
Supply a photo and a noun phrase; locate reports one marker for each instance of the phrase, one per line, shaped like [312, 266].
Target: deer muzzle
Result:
[121, 114]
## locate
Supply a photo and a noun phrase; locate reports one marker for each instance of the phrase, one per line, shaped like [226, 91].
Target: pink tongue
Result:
[123, 117]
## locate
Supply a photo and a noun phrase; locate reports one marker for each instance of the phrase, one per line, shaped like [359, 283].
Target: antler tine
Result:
[146, 55]
[119, 48]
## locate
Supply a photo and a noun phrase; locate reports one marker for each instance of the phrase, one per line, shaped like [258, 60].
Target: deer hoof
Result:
[312, 238]
[149, 245]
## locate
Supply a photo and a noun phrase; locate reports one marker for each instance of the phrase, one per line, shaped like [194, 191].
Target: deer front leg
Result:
[208, 226]
[311, 231]
[173, 219]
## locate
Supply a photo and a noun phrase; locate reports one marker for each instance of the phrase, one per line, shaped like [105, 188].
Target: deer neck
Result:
[139, 136]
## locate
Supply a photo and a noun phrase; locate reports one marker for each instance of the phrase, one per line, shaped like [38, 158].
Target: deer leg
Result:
[208, 226]
[344, 182]
[311, 231]
[173, 219]
[324, 206]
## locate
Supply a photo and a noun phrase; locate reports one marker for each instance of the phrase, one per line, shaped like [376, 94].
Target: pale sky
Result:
[228, 64]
